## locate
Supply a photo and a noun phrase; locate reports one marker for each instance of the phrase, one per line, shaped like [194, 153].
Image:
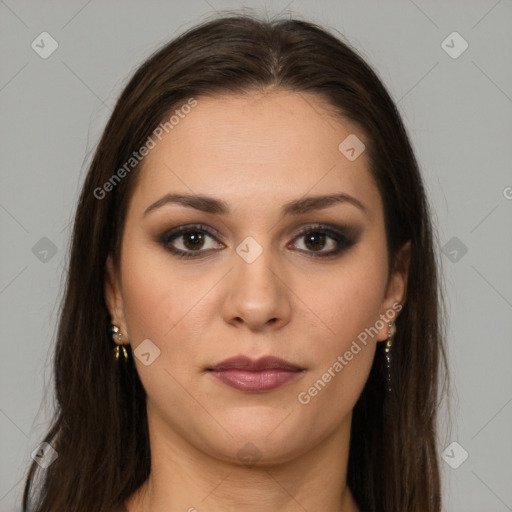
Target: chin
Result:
[251, 444]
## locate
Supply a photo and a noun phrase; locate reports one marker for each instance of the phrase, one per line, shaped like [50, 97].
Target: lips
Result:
[263, 374]
[246, 363]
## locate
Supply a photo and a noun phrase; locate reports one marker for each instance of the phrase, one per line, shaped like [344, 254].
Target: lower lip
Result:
[262, 380]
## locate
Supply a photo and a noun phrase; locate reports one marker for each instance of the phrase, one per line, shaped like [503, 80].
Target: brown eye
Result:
[189, 241]
[317, 238]
[315, 241]
[320, 241]
[193, 240]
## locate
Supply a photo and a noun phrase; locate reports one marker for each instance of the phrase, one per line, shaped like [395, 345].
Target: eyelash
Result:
[344, 241]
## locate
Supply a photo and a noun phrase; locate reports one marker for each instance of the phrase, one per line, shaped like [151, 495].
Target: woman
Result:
[252, 316]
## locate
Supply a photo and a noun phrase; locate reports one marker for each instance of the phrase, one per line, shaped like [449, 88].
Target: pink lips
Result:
[258, 375]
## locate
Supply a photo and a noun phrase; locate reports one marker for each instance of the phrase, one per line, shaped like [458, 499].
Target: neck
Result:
[184, 478]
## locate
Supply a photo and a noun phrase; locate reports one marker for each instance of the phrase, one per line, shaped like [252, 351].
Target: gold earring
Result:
[117, 350]
[115, 331]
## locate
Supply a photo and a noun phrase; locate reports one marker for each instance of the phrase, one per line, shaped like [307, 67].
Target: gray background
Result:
[458, 113]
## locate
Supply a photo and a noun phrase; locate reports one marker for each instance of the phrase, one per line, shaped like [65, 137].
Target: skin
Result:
[256, 152]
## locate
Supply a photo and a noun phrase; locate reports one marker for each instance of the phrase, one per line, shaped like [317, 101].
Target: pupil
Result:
[319, 238]
[195, 238]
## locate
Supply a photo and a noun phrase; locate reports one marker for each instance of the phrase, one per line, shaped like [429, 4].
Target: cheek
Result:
[348, 302]
[167, 309]
[343, 357]
[160, 302]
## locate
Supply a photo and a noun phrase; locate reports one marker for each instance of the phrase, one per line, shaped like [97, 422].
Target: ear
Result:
[114, 297]
[396, 292]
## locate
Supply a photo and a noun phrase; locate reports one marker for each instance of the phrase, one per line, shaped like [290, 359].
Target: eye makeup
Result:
[193, 238]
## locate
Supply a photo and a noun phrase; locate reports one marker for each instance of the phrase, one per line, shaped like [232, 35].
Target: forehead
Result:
[280, 144]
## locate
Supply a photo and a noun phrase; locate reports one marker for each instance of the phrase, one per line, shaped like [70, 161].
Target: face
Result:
[258, 269]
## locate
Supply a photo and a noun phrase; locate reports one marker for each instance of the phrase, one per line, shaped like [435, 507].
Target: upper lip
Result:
[246, 363]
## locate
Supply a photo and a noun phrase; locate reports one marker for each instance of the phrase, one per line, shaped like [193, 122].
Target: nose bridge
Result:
[257, 294]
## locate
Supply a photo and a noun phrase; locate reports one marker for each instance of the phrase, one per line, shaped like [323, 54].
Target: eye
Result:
[191, 241]
[317, 238]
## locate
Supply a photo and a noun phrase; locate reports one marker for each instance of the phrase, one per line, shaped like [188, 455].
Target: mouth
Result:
[263, 374]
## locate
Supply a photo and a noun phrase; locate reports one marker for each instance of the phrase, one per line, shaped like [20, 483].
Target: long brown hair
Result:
[100, 426]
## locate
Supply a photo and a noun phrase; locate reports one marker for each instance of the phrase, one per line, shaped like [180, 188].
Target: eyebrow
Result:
[296, 207]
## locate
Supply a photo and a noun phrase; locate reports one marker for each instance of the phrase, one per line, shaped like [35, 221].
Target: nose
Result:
[256, 294]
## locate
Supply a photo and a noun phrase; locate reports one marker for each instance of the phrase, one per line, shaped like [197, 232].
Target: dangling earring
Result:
[387, 351]
[117, 335]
